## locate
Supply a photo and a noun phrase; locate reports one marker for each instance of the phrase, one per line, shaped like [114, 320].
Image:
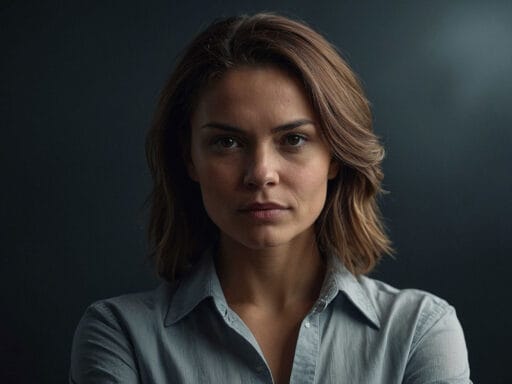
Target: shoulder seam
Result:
[438, 313]
[115, 323]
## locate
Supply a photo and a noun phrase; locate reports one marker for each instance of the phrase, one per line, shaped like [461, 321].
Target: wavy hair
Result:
[350, 224]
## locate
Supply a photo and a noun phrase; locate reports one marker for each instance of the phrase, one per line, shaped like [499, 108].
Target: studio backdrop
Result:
[79, 81]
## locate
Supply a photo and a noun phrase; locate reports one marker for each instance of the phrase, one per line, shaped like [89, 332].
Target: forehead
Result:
[265, 93]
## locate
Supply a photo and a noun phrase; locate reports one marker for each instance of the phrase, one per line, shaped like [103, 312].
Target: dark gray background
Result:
[79, 82]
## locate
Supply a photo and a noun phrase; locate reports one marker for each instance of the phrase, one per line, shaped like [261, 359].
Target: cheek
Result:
[314, 174]
[311, 184]
[216, 181]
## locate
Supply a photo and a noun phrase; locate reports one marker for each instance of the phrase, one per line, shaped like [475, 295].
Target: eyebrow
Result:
[280, 128]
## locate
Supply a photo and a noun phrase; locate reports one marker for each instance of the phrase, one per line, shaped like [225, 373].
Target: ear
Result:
[334, 168]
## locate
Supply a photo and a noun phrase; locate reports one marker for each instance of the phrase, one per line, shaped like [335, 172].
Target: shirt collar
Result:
[339, 279]
[203, 283]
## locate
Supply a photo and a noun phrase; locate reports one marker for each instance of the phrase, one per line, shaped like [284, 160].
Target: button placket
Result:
[306, 351]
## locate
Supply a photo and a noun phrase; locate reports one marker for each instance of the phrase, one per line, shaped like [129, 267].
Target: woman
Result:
[263, 223]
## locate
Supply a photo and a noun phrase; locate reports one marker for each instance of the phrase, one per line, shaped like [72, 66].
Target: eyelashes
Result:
[295, 139]
[226, 143]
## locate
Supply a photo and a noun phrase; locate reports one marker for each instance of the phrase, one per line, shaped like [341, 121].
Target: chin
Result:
[260, 243]
[260, 240]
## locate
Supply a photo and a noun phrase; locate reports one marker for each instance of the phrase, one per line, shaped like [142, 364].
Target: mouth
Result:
[264, 211]
[262, 206]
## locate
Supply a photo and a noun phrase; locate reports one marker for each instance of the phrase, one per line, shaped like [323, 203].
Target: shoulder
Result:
[389, 302]
[411, 312]
[133, 307]
[110, 333]
[427, 325]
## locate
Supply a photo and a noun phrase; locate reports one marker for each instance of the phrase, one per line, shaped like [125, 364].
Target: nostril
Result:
[260, 169]
[261, 181]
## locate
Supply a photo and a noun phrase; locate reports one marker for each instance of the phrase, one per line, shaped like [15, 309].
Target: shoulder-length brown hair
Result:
[350, 223]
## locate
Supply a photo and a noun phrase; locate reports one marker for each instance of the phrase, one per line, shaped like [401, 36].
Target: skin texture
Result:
[255, 140]
[257, 163]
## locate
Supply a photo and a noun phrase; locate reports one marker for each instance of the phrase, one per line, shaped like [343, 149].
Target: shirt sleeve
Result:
[438, 354]
[101, 351]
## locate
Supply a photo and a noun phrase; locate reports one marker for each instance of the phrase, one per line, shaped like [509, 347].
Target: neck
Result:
[274, 278]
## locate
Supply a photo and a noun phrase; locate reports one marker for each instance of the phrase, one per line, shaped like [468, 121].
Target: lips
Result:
[262, 207]
[265, 212]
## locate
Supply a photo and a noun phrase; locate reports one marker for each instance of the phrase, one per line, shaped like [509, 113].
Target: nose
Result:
[261, 169]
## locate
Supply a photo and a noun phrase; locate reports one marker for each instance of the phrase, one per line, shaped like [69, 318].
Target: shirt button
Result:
[307, 324]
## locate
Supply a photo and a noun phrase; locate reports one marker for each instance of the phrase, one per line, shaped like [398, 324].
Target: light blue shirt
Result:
[360, 331]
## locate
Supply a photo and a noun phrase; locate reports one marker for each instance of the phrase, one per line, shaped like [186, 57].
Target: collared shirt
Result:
[360, 330]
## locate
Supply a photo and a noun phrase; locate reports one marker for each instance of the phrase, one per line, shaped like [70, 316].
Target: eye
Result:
[294, 140]
[225, 142]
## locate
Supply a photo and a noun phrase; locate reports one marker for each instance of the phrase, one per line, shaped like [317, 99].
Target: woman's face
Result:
[259, 158]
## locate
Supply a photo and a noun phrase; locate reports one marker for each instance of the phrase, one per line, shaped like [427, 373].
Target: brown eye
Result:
[294, 140]
[225, 142]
